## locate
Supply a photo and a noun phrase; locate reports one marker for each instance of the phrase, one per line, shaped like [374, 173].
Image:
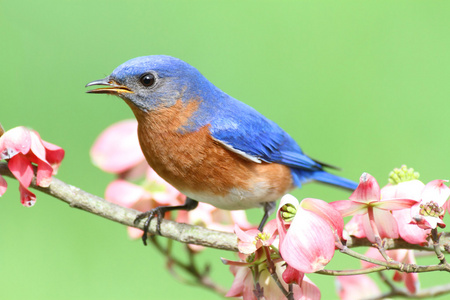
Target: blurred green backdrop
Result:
[362, 85]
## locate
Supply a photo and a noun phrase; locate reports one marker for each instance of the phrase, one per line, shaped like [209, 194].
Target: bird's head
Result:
[152, 82]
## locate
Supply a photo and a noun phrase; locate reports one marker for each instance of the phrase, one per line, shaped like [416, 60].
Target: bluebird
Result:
[210, 146]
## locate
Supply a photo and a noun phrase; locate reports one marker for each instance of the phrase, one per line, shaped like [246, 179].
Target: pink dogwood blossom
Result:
[428, 213]
[356, 287]
[377, 217]
[117, 150]
[251, 240]
[154, 192]
[307, 240]
[244, 284]
[411, 189]
[21, 148]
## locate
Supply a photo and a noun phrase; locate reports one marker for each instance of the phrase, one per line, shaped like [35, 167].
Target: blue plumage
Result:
[231, 122]
[210, 146]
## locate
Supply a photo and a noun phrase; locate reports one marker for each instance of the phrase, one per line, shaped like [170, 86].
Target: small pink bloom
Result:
[309, 291]
[213, 218]
[428, 213]
[244, 284]
[326, 212]
[22, 147]
[307, 243]
[411, 280]
[251, 240]
[411, 189]
[130, 195]
[117, 149]
[366, 200]
[356, 287]
[355, 227]
[292, 276]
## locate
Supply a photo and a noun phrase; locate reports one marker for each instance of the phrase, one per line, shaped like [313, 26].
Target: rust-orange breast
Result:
[200, 167]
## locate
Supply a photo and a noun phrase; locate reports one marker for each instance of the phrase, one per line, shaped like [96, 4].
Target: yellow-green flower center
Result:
[263, 236]
[431, 209]
[402, 174]
[288, 212]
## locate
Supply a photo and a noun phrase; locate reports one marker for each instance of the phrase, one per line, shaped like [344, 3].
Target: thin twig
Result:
[273, 272]
[437, 249]
[408, 268]
[421, 294]
[201, 279]
[352, 272]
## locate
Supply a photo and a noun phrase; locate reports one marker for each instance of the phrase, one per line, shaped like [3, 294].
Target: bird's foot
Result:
[159, 212]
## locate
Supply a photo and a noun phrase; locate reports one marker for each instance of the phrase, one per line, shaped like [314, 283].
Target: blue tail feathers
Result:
[301, 176]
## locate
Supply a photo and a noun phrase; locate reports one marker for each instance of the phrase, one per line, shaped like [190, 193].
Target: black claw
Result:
[149, 215]
[159, 212]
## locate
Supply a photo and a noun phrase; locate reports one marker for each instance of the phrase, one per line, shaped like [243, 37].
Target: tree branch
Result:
[421, 294]
[183, 233]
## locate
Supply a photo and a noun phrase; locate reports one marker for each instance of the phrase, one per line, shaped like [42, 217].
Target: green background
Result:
[363, 85]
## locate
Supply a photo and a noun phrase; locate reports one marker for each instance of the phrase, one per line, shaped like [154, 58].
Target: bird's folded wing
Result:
[257, 138]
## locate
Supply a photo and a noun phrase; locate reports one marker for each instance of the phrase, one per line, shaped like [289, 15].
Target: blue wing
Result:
[243, 128]
[245, 131]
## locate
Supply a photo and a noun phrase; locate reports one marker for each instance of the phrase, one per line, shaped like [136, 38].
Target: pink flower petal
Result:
[436, 191]
[44, 174]
[246, 240]
[3, 185]
[309, 243]
[291, 275]
[27, 198]
[404, 190]
[45, 153]
[356, 287]
[37, 147]
[53, 154]
[368, 189]
[16, 140]
[242, 284]
[349, 207]
[385, 222]
[409, 232]
[124, 193]
[326, 211]
[239, 217]
[117, 148]
[309, 291]
[250, 240]
[394, 204]
[355, 227]
[21, 168]
[134, 233]
[271, 230]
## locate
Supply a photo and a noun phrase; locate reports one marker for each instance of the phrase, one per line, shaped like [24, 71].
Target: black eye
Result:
[147, 79]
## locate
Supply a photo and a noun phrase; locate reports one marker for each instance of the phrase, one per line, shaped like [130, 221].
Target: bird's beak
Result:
[111, 87]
